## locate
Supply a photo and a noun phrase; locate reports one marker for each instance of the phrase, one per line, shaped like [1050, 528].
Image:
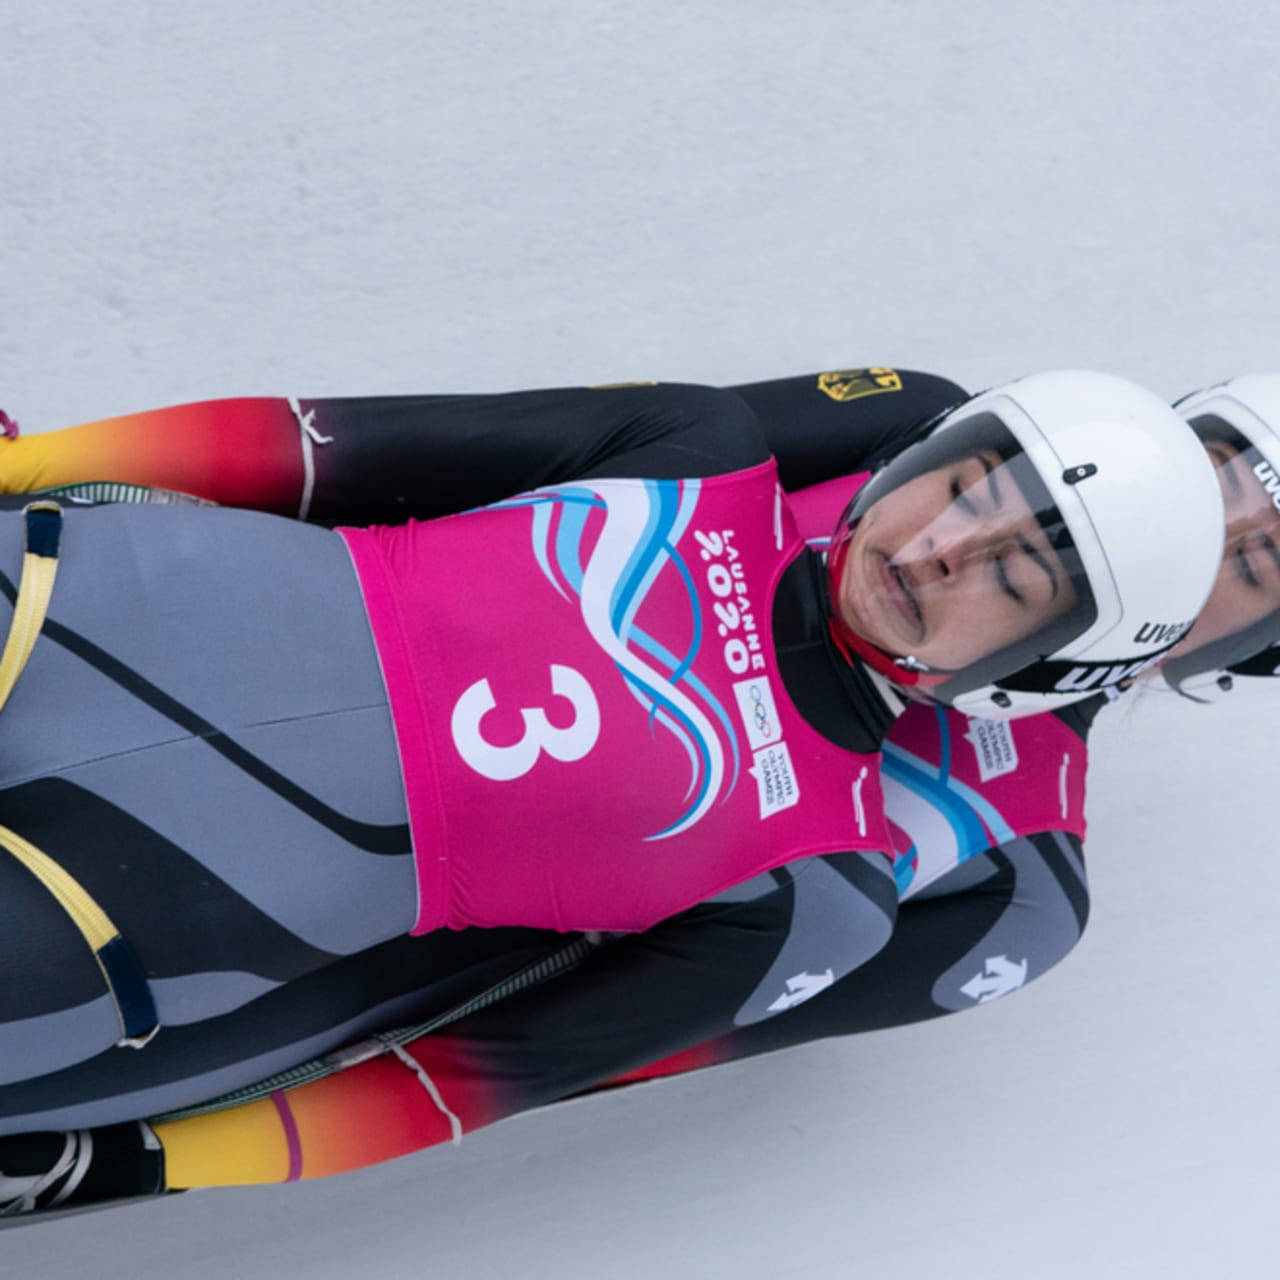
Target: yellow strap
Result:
[34, 592]
[89, 918]
[95, 927]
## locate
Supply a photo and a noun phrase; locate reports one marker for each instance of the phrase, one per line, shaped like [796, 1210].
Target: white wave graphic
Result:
[627, 513]
[684, 513]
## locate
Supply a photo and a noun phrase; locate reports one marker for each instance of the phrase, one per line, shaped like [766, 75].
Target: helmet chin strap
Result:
[913, 664]
[909, 672]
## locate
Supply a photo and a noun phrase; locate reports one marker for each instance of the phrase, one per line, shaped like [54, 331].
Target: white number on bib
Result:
[502, 764]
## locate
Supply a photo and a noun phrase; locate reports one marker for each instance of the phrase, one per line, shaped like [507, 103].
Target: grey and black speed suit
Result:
[641, 997]
[202, 739]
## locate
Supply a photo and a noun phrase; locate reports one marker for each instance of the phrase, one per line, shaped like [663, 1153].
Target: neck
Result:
[840, 697]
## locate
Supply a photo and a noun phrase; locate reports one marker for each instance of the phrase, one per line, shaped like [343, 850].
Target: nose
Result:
[946, 556]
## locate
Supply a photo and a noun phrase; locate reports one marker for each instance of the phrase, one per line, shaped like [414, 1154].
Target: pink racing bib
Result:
[592, 727]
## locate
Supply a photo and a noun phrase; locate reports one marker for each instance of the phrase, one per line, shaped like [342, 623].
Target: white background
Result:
[329, 198]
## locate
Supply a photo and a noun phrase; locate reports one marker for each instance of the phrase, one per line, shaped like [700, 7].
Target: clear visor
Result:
[1240, 622]
[955, 562]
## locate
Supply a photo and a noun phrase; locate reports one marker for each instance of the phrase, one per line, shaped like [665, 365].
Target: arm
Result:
[386, 458]
[391, 457]
[994, 924]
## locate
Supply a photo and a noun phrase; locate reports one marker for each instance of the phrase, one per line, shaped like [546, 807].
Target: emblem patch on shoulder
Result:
[994, 747]
[853, 384]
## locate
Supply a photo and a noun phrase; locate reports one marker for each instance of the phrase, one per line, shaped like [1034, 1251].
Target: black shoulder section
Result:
[672, 431]
[391, 457]
[1079, 716]
[822, 425]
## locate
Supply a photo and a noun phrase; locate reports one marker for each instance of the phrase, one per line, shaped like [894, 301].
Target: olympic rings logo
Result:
[758, 711]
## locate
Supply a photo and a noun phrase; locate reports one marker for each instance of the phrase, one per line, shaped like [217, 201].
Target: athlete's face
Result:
[1247, 588]
[952, 566]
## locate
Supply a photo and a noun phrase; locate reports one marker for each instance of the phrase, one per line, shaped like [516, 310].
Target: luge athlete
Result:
[977, 921]
[298, 1015]
[903, 615]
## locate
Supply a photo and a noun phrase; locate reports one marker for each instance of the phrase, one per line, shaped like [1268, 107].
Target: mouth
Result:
[896, 583]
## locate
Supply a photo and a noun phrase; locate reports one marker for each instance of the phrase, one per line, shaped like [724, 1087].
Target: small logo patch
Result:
[1165, 633]
[804, 986]
[993, 746]
[853, 384]
[775, 781]
[758, 712]
[1101, 675]
[998, 977]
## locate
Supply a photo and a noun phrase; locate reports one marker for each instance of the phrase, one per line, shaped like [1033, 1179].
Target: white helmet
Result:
[1080, 505]
[1239, 632]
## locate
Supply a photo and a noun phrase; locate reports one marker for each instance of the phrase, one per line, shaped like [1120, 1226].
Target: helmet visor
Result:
[956, 563]
[1241, 618]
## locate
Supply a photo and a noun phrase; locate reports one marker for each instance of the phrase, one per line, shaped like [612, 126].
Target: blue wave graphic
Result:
[671, 694]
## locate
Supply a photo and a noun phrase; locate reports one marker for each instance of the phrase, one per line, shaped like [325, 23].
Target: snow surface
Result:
[328, 198]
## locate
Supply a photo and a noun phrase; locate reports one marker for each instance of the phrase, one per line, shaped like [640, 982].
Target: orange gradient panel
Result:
[376, 1111]
[243, 452]
[383, 1109]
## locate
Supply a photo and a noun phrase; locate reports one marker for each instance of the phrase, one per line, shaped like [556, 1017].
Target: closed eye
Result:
[1002, 577]
[1041, 560]
[1245, 570]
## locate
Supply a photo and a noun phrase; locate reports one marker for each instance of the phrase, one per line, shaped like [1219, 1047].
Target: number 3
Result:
[502, 764]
